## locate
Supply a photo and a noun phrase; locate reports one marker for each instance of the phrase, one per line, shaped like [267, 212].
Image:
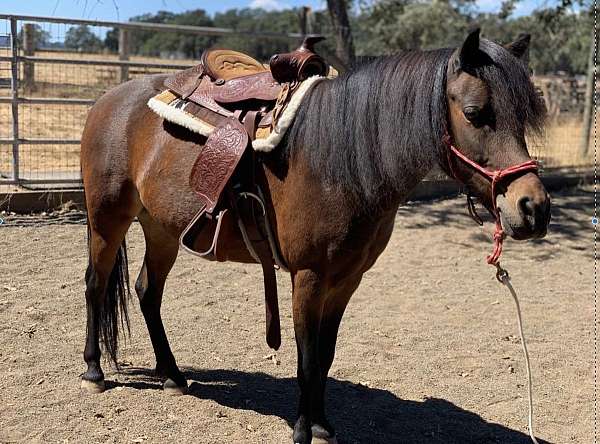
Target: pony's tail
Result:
[113, 307]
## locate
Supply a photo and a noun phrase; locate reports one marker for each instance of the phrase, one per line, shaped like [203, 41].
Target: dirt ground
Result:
[428, 349]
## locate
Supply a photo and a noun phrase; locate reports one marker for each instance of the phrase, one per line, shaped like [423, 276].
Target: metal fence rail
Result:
[43, 110]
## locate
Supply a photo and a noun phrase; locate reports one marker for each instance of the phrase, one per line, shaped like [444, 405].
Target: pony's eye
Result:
[471, 113]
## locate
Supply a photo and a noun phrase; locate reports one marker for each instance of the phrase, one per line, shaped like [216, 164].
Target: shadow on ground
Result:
[360, 414]
[571, 217]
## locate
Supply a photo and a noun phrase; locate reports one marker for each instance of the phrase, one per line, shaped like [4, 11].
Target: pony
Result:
[357, 147]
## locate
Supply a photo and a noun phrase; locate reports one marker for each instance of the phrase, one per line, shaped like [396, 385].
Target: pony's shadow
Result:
[360, 414]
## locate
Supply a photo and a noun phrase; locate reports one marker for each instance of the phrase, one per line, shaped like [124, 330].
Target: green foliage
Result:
[153, 43]
[81, 38]
[41, 37]
[560, 37]
[258, 20]
[178, 45]
[395, 25]
[559, 45]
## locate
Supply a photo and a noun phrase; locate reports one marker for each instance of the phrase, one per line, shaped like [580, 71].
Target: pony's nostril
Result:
[526, 206]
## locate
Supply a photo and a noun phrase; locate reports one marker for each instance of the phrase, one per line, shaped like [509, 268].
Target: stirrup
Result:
[195, 227]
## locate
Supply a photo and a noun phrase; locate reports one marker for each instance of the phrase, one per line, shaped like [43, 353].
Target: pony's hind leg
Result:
[107, 288]
[161, 252]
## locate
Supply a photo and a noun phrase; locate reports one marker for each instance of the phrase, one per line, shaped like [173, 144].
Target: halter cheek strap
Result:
[494, 176]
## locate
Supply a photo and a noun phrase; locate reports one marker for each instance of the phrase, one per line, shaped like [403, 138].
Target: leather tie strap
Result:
[494, 176]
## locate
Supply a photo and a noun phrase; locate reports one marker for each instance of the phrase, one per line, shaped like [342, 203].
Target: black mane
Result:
[377, 131]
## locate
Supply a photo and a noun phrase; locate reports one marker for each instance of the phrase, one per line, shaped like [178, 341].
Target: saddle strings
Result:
[504, 278]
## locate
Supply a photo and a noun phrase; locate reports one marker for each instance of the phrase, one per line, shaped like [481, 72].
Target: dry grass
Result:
[559, 148]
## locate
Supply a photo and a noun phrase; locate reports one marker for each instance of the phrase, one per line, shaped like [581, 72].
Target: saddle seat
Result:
[227, 64]
[225, 76]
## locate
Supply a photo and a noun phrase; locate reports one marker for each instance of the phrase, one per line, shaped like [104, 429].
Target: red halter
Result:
[494, 176]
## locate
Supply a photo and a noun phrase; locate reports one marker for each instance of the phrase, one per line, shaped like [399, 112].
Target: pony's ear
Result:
[469, 52]
[520, 47]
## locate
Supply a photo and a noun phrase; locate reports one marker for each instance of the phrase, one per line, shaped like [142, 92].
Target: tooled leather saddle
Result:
[235, 100]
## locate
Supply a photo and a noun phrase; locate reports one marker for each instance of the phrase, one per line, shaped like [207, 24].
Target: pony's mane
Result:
[514, 97]
[378, 130]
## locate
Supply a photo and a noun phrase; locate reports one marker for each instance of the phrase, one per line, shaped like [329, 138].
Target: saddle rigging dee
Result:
[235, 101]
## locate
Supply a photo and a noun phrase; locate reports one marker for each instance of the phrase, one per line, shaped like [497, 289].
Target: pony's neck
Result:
[376, 132]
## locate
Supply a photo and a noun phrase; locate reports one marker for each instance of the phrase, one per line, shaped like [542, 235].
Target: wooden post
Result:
[123, 54]
[344, 51]
[588, 110]
[306, 27]
[28, 50]
[15, 98]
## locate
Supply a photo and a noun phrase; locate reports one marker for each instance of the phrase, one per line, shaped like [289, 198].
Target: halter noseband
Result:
[494, 176]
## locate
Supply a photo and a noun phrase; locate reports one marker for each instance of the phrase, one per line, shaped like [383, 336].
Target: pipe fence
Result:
[53, 69]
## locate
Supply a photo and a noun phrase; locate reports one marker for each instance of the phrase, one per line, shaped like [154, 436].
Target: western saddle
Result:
[238, 99]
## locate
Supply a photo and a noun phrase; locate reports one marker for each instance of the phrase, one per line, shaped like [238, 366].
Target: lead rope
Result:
[499, 235]
[504, 278]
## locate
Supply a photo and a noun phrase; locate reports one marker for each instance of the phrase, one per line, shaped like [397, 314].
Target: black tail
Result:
[113, 309]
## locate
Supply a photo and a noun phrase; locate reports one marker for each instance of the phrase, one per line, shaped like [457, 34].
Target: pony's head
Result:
[492, 104]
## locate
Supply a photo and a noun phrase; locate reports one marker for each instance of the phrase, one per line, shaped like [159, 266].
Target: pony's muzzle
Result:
[525, 208]
[536, 215]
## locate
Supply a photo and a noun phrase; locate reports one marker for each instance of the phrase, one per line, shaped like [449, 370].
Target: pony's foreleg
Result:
[307, 301]
[161, 252]
[333, 311]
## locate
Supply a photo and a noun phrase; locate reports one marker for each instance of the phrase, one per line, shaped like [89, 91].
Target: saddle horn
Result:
[299, 64]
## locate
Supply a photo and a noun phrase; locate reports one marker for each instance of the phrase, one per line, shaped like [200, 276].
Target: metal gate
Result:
[47, 86]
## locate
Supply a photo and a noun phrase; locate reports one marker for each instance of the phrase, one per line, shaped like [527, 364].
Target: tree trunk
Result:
[338, 10]
[306, 27]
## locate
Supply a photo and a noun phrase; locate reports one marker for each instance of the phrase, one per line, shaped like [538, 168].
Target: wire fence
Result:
[52, 70]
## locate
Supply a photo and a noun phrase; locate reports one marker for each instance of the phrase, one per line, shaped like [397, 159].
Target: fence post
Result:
[306, 21]
[588, 110]
[14, 97]
[123, 54]
[28, 50]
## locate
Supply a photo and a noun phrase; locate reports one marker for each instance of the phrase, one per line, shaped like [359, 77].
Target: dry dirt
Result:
[427, 351]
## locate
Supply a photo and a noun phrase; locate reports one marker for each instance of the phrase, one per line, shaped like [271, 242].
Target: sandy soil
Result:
[428, 350]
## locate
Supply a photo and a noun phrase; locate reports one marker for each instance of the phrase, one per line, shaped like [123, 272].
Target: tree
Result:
[396, 25]
[560, 40]
[338, 10]
[258, 20]
[172, 43]
[111, 41]
[82, 39]
[41, 37]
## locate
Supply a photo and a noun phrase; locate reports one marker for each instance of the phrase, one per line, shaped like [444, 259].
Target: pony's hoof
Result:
[171, 388]
[94, 387]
